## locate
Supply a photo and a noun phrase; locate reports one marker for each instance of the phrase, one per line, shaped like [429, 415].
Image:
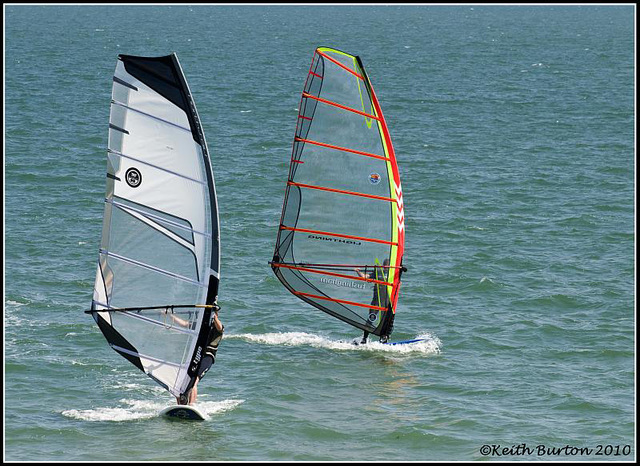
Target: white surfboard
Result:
[184, 412]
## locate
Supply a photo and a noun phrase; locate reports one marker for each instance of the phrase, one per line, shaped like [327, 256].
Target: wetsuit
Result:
[380, 294]
[210, 351]
[380, 297]
[207, 361]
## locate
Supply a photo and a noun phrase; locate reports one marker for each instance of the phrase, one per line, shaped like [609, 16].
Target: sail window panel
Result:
[334, 168]
[306, 283]
[177, 225]
[149, 101]
[161, 144]
[315, 248]
[339, 127]
[167, 374]
[135, 285]
[345, 214]
[347, 241]
[185, 233]
[162, 342]
[145, 240]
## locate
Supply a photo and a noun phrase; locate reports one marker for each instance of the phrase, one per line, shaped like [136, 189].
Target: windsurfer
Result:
[215, 335]
[380, 295]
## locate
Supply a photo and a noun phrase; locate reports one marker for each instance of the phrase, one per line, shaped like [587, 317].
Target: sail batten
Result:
[343, 201]
[340, 106]
[338, 235]
[156, 322]
[342, 191]
[160, 238]
[345, 149]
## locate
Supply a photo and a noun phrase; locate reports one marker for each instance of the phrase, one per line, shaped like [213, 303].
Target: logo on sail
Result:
[344, 283]
[335, 240]
[374, 178]
[133, 177]
[196, 359]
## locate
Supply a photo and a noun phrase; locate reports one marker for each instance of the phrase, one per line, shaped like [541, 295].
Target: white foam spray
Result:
[430, 344]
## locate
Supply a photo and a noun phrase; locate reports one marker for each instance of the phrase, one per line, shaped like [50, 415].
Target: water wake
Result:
[141, 409]
[430, 344]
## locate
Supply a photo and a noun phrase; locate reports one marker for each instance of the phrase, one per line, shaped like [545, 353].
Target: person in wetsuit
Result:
[215, 335]
[380, 297]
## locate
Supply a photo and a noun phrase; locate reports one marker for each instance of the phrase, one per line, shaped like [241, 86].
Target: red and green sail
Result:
[341, 236]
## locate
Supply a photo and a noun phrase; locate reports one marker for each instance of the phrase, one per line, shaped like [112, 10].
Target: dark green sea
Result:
[514, 130]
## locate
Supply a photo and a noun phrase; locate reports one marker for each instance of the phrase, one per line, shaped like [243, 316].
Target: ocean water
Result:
[514, 132]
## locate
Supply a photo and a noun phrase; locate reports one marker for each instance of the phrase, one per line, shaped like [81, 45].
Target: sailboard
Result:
[159, 257]
[340, 241]
[406, 342]
[183, 412]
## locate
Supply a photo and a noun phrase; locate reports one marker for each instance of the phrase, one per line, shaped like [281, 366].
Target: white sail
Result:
[160, 239]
